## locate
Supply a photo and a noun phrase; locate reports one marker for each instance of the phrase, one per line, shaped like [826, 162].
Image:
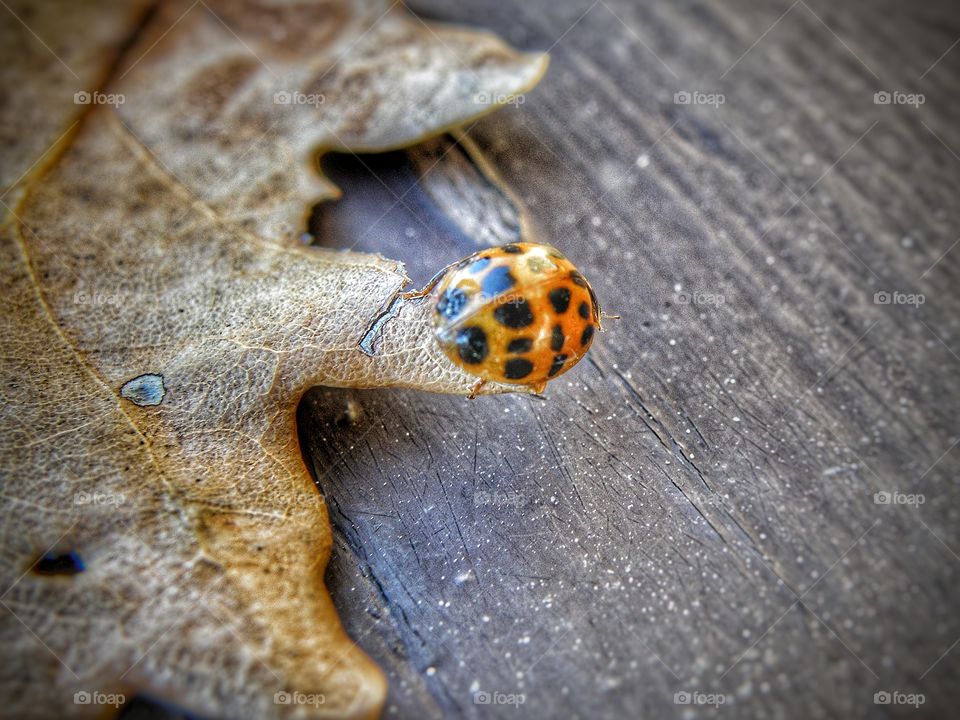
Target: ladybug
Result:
[519, 314]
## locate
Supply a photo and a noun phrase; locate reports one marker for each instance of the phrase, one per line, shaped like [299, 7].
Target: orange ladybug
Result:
[520, 314]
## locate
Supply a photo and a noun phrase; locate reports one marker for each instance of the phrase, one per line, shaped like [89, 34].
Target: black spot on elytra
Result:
[517, 368]
[512, 249]
[472, 344]
[578, 279]
[520, 345]
[68, 563]
[557, 365]
[477, 265]
[497, 281]
[557, 339]
[587, 335]
[514, 314]
[584, 310]
[452, 302]
[560, 299]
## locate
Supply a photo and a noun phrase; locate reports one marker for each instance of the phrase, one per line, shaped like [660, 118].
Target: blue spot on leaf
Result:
[144, 390]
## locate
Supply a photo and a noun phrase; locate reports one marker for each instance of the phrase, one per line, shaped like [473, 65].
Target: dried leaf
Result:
[160, 531]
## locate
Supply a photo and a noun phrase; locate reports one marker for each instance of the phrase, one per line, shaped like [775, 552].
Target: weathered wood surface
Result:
[692, 510]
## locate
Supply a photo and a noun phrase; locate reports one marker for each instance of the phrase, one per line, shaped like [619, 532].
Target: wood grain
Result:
[693, 509]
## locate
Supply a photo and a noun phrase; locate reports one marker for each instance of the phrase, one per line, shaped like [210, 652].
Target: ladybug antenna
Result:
[607, 316]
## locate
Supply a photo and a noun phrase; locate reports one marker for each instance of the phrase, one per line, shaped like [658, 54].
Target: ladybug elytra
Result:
[521, 314]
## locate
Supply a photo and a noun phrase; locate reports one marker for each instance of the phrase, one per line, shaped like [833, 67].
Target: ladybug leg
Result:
[475, 390]
[539, 387]
[428, 288]
[416, 294]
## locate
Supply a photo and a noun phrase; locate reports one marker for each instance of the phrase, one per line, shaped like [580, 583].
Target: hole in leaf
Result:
[144, 707]
[59, 563]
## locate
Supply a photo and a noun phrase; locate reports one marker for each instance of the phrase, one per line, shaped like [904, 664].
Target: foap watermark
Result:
[483, 697]
[895, 497]
[98, 98]
[497, 498]
[95, 697]
[99, 498]
[284, 97]
[895, 697]
[694, 697]
[96, 298]
[896, 97]
[282, 697]
[895, 297]
[303, 499]
[699, 298]
[698, 97]
[495, 98]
